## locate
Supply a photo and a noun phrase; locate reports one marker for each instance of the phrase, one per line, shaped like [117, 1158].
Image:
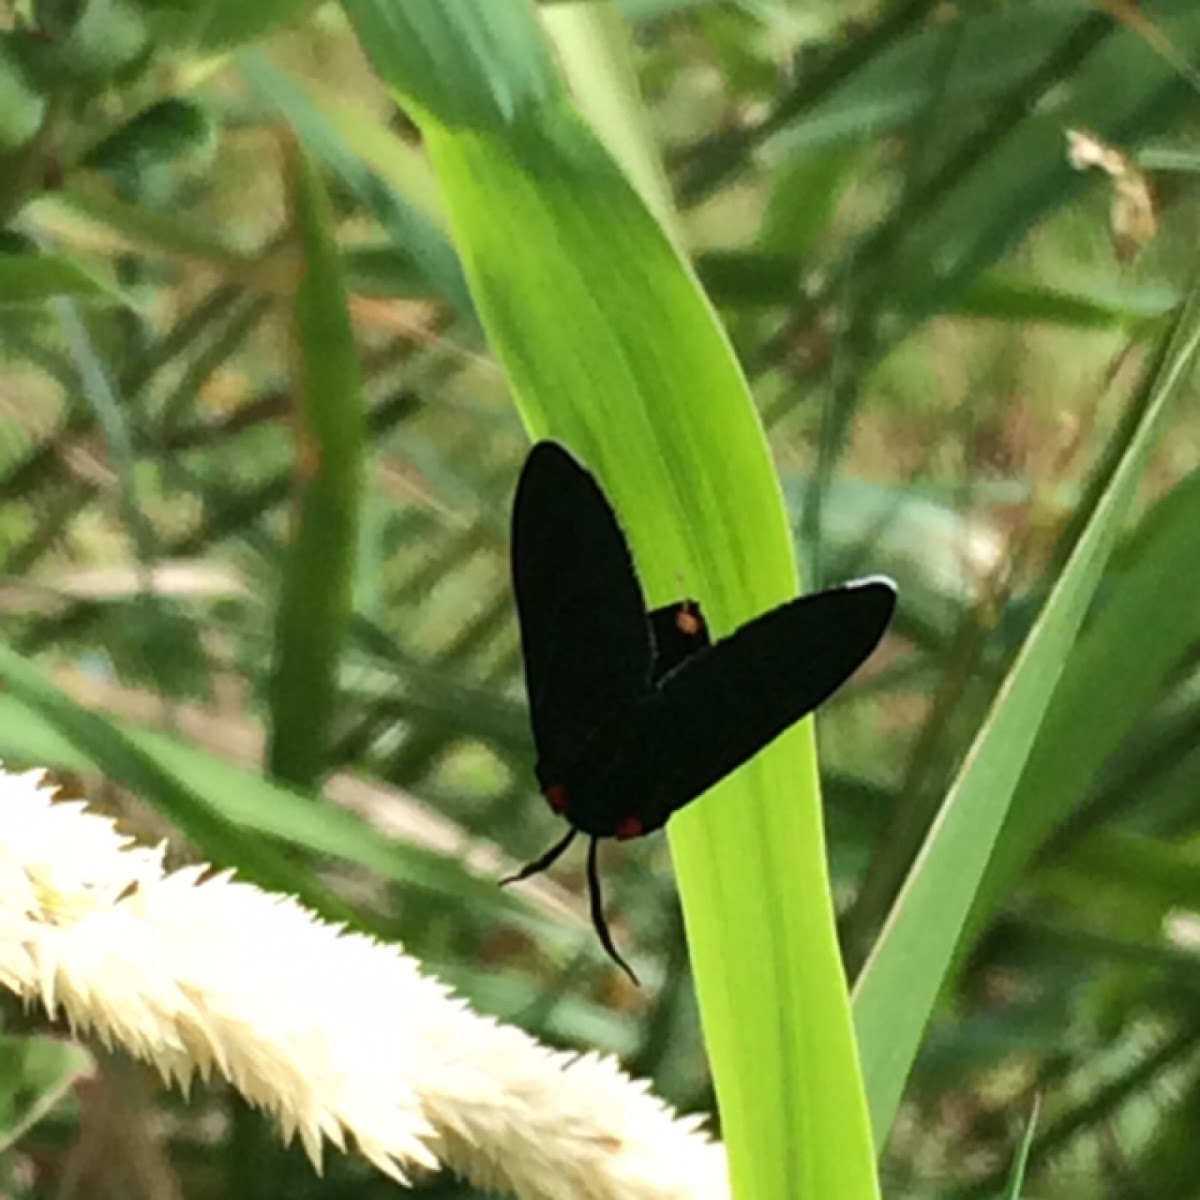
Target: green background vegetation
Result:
[278, 318]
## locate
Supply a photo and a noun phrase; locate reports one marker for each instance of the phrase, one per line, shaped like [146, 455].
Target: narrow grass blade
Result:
[32, 278]
[1016, 1180]
[896, 991]
[1127, 652]
[315, 605]
[224, 807]
[40, 1074]
[609, 345]
[112, 419]
[75, 215]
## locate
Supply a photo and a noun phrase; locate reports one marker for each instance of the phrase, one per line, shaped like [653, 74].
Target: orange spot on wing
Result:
[556, 797]
[688, 622]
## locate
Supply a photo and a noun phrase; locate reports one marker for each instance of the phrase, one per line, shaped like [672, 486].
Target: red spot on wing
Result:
[630, 827]
[556, 797]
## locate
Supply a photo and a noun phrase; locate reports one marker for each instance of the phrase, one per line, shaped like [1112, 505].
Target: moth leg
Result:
[540, 864]
[593, 878]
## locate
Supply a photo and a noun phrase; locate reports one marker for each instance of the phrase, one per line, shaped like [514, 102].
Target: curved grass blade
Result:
[1113, 677]
[895, 993]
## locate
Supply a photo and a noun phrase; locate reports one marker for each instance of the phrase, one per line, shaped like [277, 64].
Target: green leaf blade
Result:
[1122, 661]
[28, 280]
[316, 601]
[609, 345]
[899, 984]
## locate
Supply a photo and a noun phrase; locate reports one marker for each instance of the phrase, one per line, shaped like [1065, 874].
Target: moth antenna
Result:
[540, 864]
[593, 878]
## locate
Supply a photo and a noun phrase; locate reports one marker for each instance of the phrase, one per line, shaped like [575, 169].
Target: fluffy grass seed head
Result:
[338, 1036]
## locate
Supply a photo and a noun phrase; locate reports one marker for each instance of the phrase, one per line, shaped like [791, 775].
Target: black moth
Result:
[637, 713]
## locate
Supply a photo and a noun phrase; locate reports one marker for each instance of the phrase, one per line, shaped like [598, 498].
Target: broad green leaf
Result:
[609, 345]
[895, 994]
[314, 610]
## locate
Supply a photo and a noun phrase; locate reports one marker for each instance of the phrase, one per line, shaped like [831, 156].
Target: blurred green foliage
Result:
[945, 342]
